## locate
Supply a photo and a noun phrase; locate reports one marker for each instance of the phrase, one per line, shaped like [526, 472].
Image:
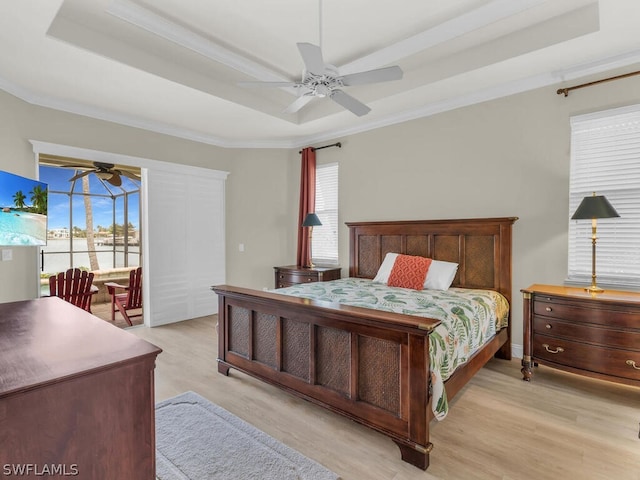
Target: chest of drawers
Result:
[76, 394]
[293, 275]
[596, 335]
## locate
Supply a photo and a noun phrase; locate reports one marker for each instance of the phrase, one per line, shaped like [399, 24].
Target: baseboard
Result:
[516, 350]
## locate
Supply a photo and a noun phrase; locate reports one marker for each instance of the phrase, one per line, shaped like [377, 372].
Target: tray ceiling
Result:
[173, 66]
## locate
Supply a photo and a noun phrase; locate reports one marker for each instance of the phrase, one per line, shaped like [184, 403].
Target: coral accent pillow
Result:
[409, 272]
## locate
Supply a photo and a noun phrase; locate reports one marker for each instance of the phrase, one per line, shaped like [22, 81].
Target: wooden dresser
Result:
[76, 395]
[597, 335]
[293, 275]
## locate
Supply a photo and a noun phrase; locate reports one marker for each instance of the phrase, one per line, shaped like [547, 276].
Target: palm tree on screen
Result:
[19, 198]
[39, 199]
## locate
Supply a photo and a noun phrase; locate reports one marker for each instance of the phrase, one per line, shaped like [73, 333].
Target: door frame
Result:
[144, 164]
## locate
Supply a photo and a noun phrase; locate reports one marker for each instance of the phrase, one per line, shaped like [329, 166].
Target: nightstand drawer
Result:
[585, 312]
[587, 333]
[293, 275]
[608, 361]
[295, 278]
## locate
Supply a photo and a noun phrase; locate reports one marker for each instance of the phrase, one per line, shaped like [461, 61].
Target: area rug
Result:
[197, 440]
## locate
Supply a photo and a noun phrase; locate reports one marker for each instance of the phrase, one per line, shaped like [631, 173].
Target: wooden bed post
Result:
[418, 453]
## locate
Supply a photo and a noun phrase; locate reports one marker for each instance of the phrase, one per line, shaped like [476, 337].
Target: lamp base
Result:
[594, 289]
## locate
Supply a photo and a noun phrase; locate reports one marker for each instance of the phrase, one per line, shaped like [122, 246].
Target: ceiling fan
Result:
[320, 79]
[104, 171]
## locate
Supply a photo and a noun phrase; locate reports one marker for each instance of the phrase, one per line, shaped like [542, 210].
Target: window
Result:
[605, 158]
[325, 237]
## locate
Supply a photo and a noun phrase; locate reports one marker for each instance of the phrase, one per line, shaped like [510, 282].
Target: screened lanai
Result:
[93, 221]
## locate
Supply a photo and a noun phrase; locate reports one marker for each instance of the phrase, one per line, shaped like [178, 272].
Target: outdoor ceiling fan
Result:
[320, 79]
[104, 171]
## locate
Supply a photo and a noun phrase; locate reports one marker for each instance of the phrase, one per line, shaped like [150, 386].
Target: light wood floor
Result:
[559, 426]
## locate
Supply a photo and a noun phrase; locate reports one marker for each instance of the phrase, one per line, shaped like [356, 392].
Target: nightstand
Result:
[596, 335]
[293, 275]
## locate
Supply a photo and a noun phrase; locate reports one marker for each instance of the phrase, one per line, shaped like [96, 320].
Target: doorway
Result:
[93, 224]
[183, 246]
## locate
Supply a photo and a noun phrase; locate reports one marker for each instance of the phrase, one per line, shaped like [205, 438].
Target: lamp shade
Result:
[595, 206]
[311, 220]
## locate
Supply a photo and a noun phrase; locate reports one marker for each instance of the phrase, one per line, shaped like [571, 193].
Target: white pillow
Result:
[439, 276]
[385, 269]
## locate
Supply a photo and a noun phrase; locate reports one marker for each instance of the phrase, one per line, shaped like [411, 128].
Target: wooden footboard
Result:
[367, 365]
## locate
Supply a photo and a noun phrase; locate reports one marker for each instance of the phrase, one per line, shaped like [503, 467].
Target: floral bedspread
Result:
[469, 318]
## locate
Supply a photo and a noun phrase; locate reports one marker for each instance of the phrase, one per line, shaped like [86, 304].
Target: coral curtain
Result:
[307, 203]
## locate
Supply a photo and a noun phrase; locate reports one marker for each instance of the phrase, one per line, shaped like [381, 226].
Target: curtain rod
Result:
[568, 89]
[337, 144]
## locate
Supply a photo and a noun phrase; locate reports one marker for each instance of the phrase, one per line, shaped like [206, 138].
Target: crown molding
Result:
[503, 90]
[443, 32]
[499, 91]
[156, 24]
[118, 158]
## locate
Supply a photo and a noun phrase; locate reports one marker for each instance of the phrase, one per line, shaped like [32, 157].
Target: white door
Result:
[185, 243]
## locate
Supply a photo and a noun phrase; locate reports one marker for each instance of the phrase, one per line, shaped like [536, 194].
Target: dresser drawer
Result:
[586, 312]
[587, 333]
[603, 360]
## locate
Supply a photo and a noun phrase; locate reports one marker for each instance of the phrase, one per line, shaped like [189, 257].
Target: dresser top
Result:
[46, 340]
[609, 295]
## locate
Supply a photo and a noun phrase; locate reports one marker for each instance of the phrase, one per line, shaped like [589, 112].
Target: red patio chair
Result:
[131, 299]
[75, 286]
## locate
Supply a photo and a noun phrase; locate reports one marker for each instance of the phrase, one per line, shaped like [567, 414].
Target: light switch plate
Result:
[7, 255]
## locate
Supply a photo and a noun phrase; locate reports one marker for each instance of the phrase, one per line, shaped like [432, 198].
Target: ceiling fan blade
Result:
[267, 84]
[347, 101]
[312, 57]
[130, 175]
[298, 104]
[373, 76]
[115, 180]
[80, 175]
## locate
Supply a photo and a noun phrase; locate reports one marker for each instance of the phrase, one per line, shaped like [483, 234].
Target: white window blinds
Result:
[324, 247]
[605, 158]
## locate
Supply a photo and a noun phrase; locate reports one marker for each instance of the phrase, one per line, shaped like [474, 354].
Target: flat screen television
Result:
[23, 211]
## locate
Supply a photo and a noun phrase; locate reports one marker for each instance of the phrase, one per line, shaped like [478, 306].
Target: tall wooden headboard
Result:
[481, 247]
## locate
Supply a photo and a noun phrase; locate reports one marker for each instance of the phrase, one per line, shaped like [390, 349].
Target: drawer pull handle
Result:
[557, 350]
[549, 309]
[547, 326]
[633, 364]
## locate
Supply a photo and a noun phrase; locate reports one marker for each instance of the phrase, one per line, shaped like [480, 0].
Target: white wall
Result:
[508, 157]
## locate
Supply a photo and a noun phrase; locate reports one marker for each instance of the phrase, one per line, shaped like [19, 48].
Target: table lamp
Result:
[594, 207]
[311, 220]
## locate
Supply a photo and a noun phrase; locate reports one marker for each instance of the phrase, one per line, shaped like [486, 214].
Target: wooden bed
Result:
[370, 366]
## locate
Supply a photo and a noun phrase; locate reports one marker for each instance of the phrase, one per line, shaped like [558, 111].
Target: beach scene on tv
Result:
[23, 211]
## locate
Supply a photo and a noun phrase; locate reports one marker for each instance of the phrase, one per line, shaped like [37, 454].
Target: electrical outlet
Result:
[7, 255]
